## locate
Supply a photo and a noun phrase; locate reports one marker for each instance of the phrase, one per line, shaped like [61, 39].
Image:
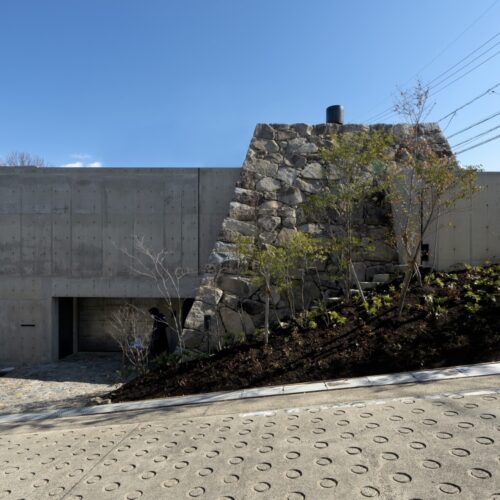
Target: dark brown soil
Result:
[452, 319]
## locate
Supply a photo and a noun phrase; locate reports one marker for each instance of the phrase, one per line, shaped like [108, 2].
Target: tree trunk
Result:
[358, 284]
[266, 320]
[404, 289]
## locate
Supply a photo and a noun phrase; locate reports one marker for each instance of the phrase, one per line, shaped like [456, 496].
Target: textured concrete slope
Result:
[425, 446]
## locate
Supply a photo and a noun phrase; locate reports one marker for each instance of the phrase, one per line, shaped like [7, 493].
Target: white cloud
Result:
[80, 164]
[80, 156]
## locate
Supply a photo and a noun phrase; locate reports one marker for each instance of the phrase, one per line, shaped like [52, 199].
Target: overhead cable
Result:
[465, 74]
[476, 20]
[491, 89]
[466, 57]
[455, 39]
[477, 145]
[465, 66]
[475, 124]
[476, 136]
[391, 109]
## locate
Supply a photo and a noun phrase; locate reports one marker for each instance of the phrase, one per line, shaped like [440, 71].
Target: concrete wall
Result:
[471, 231]
[63, 231]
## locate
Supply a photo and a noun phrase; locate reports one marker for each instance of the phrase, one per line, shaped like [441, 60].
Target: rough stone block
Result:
[382, 252]
[286, 211]
[360, 268]
[246, 196]
[222, 259]
[264, 131]
[287, 175]
[243, 228]
[300, 146]
[231, 301]
[228, 248]
[237, 323]
[311, 229]
[311, 187]
[196, 316]
[267, 146]
[268, 184]
[313, 171]
[303, 129]
[267, 238]
[237, 285]
[272, 205]
[289, 222]
[284, 236]
[285, 134]
[241, 211]
[209, 295]
[253, 307]
[291, 196]
[381, 277]
[269, 223]
[262, 167]
[326, 129]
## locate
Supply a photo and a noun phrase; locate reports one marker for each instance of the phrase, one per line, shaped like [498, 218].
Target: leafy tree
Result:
[355, 162]
[425, 183]
[303, 253]
[267, 264]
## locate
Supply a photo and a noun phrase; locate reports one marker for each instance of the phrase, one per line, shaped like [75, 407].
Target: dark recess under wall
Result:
[65, 326]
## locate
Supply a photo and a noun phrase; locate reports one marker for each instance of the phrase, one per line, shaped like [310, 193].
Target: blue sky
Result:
[183, 82]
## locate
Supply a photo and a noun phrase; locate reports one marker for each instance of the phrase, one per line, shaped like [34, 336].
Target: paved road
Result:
[438, 440]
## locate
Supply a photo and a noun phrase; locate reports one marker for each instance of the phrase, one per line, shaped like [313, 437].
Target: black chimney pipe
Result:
[335, 114]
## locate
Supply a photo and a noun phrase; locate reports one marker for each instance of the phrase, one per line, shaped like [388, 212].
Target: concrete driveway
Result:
[434, 440]
[72, 382]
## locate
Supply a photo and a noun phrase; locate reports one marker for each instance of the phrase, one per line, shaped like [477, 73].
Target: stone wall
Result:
[283, 167]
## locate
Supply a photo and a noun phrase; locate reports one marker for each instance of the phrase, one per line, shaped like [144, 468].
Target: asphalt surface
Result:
[434, 440]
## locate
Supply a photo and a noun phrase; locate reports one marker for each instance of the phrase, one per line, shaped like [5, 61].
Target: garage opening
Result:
[94, 315]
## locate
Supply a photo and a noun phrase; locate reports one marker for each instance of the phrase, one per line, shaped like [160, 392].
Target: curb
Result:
[415, 377]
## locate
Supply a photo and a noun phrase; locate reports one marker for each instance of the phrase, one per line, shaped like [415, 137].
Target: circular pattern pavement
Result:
[435, 447]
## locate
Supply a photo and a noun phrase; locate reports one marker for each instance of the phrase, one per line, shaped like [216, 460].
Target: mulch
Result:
[453, 319]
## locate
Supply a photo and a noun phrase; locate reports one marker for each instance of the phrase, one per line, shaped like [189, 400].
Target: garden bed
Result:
[452, 319]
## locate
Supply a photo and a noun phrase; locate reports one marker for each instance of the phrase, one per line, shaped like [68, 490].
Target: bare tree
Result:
[425, 183]
[22, 159]
[128, 326]
[154, 265]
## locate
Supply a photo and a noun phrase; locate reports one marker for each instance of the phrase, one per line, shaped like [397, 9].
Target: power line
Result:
[389, 111]
[477, 145]
[463, 67]
[455, 39]
[475, 136]
[475, 124]
[476, 20]
[455, 111]
[465, 58]
[383, 114]
[465, 74]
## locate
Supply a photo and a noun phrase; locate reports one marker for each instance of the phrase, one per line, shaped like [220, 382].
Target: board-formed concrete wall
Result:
[470, 232]
[63, 232]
